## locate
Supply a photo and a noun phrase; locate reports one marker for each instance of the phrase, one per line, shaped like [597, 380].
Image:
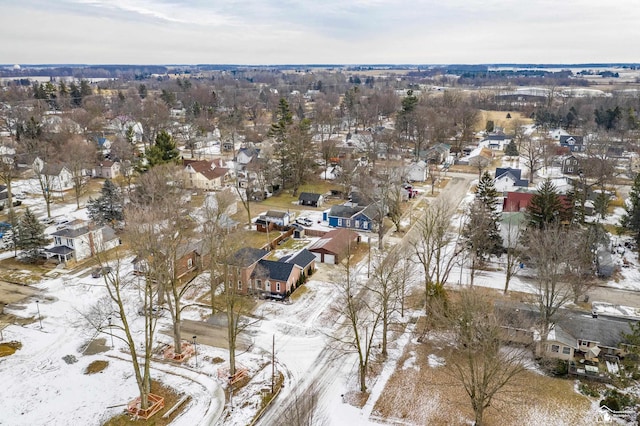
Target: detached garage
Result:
[334, 245]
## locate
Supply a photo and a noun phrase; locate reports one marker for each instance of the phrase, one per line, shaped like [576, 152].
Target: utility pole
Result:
[273, 362]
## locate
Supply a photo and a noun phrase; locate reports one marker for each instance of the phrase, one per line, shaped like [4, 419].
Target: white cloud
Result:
[310, 31]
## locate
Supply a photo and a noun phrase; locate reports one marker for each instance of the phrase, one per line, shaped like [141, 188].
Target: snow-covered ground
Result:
[44, 381]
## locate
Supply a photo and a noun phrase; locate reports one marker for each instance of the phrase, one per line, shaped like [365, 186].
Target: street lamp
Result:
[195, 349]
[110, 332]
[39, 317]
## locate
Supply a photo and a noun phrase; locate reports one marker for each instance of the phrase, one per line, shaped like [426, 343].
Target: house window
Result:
[566, 350]
[357, 224]
[348, 223]
[339, 222]
[569, 169]
[70, 242]
[189, 263]
[259, 284]
[57, 241]
[239, 285]
[267, 285]
[555, 348]
[278, 287]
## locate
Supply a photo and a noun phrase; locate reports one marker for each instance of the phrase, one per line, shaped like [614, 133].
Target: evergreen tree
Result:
[279, 131]
[31, 237]
[163, 151]
[511, 150]
[545, 207]
[108, 208]
[631, 220]
[486, 192]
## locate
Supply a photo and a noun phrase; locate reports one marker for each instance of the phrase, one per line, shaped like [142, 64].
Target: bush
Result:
[617, 401]
[588, 390]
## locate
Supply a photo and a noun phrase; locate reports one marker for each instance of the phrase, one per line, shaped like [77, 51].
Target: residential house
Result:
[310, 199]
[582, 336]
[516, 201]
[304, 259]
[273, 219]
[353, 217]
[570, 165]
[58, 176]
[496, 141]
[81, 240]
[334, 246]
[245, 156]
[107, 169]
[574, 143]
[191, 256]
[478, 152]
[271, 278]
[438, 153]
[508, 179]
[204, 174]
[556, 134]
[417, 171]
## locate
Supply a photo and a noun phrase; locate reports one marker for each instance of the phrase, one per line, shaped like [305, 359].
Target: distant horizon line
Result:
[319, 65]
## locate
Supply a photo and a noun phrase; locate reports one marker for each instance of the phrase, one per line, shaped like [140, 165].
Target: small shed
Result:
[310, 199]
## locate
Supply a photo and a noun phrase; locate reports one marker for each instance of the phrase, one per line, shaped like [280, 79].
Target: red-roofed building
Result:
[204, 174]
[516, 201]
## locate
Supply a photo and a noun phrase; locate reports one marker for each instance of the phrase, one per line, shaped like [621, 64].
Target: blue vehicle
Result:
[4, 227]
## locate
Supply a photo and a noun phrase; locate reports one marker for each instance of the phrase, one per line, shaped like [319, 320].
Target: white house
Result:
[58, 176]
[107, 169]
[79, 240]
[417, 171]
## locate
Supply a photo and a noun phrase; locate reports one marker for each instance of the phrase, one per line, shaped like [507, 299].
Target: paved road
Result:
[330, 367]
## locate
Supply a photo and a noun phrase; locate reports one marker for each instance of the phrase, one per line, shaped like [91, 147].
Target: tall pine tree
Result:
[545, 207]
[631, 220]
[163, 151]
[280, 132]
[108, 208]
[31, 237]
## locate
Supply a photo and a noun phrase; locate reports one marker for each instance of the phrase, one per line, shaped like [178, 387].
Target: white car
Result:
[304, 221]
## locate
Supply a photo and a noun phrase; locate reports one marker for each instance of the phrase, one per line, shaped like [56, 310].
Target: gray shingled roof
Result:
[303, 258]
[248, 255]
[309, 196]
[278, 271]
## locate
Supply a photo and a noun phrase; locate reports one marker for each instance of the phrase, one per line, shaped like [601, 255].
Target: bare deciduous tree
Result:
[479, 361]
[436, 247]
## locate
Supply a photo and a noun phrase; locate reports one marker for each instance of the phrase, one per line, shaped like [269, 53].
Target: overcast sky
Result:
[318, 31]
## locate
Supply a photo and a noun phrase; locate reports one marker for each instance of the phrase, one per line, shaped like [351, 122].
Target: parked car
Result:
[98, 272]
[304, 221]
[47, 220]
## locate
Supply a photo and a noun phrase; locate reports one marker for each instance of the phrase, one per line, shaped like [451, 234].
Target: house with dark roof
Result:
[352, 217]
[204, 174]
[571, 165]
[508, 179]
[272, 278]
[310, 199]
[437, 154]
[80, 240]
[304, 259]
[574, 143]
[334, 246]
[273, 219]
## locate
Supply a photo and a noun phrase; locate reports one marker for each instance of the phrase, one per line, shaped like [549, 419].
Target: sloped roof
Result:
[335, 241]
[248, 255]
[309, 196]
[207, 169]
[276, 213]
[51, 169]
[303, 258]
[279, 271]
[344, 211]
[578, 140]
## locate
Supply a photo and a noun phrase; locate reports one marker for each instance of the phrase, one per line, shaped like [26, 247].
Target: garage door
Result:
[318, 257]
[329, 258]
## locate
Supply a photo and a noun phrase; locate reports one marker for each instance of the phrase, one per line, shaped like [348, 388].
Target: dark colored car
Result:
[98, 272]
